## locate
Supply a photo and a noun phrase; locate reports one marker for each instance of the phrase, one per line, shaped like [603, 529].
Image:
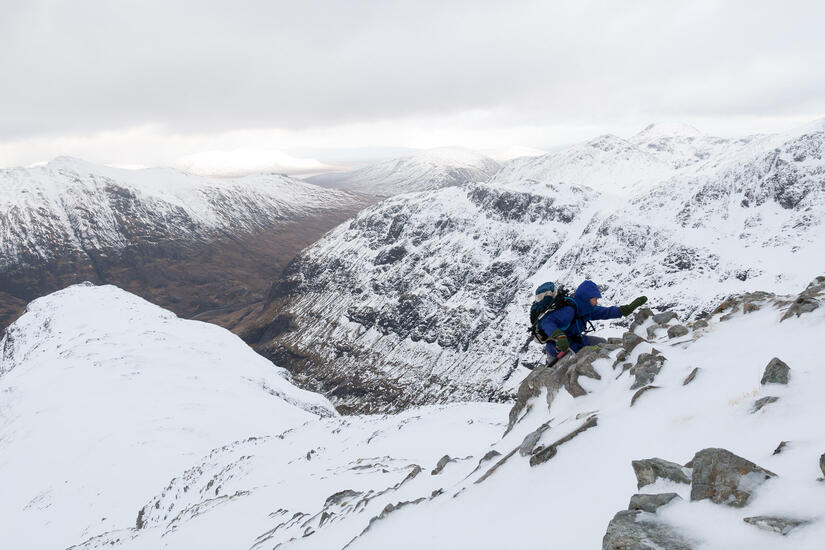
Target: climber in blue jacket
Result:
[567, 324]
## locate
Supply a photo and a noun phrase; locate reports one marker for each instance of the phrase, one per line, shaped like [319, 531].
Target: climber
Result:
[567, 325]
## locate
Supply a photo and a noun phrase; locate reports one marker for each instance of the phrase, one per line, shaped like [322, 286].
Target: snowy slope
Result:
[69, 204]
[430, 169]
[551, 472]
[105, 397]
[423, 298]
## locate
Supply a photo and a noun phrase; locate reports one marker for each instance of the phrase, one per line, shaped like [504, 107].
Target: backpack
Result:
[549, 297]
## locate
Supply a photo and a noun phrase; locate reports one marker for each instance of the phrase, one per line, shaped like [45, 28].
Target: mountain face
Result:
[134, 430]
[431, 169]
[200, 246]
[423, 297]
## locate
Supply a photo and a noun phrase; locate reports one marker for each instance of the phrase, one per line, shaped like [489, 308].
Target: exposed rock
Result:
[630, 340]
[691, 376]
[777, 372]
[639, 393]
[780, 448]
[651, 469]
[529, 442]
[701, 323]
[725, 478]
[640, 317]
[783, 526]
[639, 530]
[564, 374]
[614, 340]
[822, 464]
[750, 307]
[651, 503]
[677, 330]
[664, 318]
[441, 463]
[760, 403]
[807, 300]
[646, 368]
[651, 330]
[544, 454]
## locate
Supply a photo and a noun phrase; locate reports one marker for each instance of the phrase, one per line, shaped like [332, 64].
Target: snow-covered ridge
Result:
[104, 397]
[561, 457]
[426, 293]
[426, 170]
[69, 204]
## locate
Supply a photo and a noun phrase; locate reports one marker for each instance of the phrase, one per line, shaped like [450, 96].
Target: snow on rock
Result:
[422, 298]
[362, 482]
[427, 170]
[105, 397]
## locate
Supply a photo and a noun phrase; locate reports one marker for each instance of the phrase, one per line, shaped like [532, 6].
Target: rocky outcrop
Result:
[651, 469]
[808, 300]
[780, 525]
[676, 331]
[651, 503]
[777, 372]
[725, 478]
[646, 368]
[759, 404]
[822, 464]
[691, 377]
[543, 454]
[641, 392]
[446, 459]
[640, 530]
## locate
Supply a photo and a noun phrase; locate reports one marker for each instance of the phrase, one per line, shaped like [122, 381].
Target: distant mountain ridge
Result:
[422, 298]
[188, 242]
[424, 171]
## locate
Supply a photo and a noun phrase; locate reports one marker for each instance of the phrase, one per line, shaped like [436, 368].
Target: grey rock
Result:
[780, 448]
[780, 525]
[530, 440]
[630, 340]
[777, 372]
[651, 503]
[641, 391]
[446, 459]
[822, 464]
[808, 300]
[651, 330]
[677, 330]
[646, 368]
[725, 478]
[640, 317]
[700, 324]
[759, 404]
[664, 318]
[544, 454]
[650, 469]
[639, 530]
[564, 374]
[691, 376]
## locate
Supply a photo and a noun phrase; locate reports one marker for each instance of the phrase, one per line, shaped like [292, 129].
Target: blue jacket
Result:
[573, 321]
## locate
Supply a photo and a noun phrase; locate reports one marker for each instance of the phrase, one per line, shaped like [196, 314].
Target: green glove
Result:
[562, 344]
[628, 309]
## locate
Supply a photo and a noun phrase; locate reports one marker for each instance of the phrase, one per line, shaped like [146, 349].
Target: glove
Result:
[628, 309]
[562, 344]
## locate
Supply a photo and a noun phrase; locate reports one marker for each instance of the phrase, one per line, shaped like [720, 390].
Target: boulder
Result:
[651, 330]
[777, 372]
[651, 469]
[664, 318]
[701, 323]
[760, 403]
[780, 525]
[630, 340]
[808, 300]
[646, 368]
[640, 530]
[725, 478]
[651, 503]
[677, 330]
[640, 317]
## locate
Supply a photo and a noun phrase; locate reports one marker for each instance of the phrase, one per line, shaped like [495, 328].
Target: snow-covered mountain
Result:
[188, 242]
[136, 430]
[424, 171]
[423, 297]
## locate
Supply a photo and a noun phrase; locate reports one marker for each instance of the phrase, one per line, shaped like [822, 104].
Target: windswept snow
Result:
[105, 397]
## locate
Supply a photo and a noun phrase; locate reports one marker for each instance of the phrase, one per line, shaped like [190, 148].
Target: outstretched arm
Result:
[600, 313]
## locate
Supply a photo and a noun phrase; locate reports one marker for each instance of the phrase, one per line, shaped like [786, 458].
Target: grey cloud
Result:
[83, 66]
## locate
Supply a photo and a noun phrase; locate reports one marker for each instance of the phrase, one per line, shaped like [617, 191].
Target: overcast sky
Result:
[301, 84]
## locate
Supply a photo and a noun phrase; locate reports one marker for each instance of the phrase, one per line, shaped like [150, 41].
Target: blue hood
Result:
[586, 290]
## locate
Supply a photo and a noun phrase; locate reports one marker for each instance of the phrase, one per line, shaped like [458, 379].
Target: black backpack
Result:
[549, 297]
